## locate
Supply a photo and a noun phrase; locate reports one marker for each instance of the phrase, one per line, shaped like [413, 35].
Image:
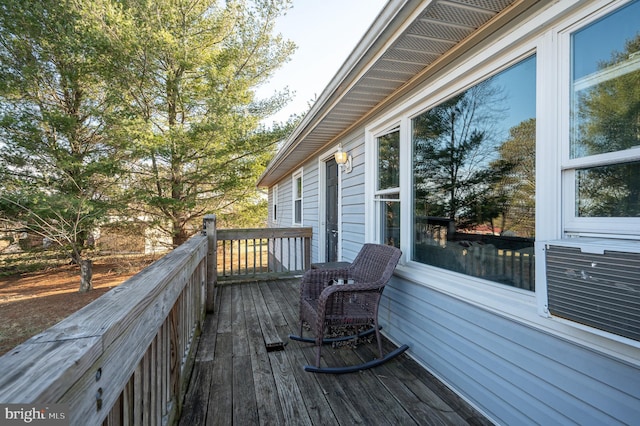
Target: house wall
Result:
[353, 206]
[310, 205]
[352, 200]
[513, 368]
[491, 343]
[515, 372]
[283, 202]
[285, 212]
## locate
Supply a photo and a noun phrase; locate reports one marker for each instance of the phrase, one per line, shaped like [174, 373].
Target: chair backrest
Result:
[375, 263]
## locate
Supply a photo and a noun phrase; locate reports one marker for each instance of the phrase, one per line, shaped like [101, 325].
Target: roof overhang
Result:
[408, 41]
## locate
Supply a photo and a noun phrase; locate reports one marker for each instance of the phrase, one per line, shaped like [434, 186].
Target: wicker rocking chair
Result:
[331, 299]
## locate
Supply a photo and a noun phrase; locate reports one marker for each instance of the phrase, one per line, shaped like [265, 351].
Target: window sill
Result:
[503, 300]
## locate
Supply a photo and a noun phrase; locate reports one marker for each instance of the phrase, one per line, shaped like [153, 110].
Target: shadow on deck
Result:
[236, 380]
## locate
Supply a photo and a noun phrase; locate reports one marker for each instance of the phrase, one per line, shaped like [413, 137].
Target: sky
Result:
[326, 32]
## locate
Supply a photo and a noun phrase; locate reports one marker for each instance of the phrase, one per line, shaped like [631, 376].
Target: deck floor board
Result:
[236, 380]
[268, 403]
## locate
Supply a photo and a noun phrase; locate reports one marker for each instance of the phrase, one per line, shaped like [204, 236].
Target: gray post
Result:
[209, 228]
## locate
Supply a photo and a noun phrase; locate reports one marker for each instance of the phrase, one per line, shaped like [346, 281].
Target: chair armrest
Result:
[315, 281]
[332, 298]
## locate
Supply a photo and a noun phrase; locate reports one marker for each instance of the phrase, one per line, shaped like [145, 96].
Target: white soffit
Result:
[441, 26]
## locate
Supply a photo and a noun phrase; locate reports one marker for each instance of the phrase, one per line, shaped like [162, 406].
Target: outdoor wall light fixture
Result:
[344, 160]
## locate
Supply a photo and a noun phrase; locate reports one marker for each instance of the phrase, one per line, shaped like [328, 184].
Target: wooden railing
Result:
[250, 254]
[126, 357]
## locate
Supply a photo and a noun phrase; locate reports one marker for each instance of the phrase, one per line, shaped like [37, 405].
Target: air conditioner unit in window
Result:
[595, 282]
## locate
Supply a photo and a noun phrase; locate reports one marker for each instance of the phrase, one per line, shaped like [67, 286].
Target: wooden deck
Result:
[236, 380]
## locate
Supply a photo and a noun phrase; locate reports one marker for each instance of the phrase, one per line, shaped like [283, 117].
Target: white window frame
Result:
[620, 227]
[512, 302]
[294, 198]
[274, 204]
[381, 195]
[373, 196]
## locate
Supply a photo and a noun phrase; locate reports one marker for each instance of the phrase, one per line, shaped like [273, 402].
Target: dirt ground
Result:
[32, 302]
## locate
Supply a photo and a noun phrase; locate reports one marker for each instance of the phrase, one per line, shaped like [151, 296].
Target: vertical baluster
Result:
[224, 257]
[188, 316]
[184, 323]
[158, 375]
[254, 256]
[259, 256]
[166, 376]
[162, 408]
[190, 305]
[127, 403]
[186, 319]
[137, 393]
[288, 267]
[246, 256]
[240, 256]
[146, 388]
[231, 258]
[116, 415]
[307, 253]
[153, 370]
[281, 255]
[274, 256]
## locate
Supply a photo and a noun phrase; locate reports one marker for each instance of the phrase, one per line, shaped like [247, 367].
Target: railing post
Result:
[307, 253]
[209, 228]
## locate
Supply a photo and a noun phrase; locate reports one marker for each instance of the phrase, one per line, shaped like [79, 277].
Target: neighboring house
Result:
[497, 143]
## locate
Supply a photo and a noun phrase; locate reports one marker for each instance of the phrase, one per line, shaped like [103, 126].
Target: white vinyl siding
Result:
[353, 204]
[285, 207]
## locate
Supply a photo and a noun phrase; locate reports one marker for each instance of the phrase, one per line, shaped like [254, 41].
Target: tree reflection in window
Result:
[605, 115]
[474, 180]
[389, 160]
[388, 187]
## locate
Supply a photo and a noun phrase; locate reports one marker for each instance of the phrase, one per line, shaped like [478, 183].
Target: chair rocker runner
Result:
[332, 299]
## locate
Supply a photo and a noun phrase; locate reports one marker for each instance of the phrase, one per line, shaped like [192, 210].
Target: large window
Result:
[474, 180]
[388, 187]
[297, 198]
[602, 173]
